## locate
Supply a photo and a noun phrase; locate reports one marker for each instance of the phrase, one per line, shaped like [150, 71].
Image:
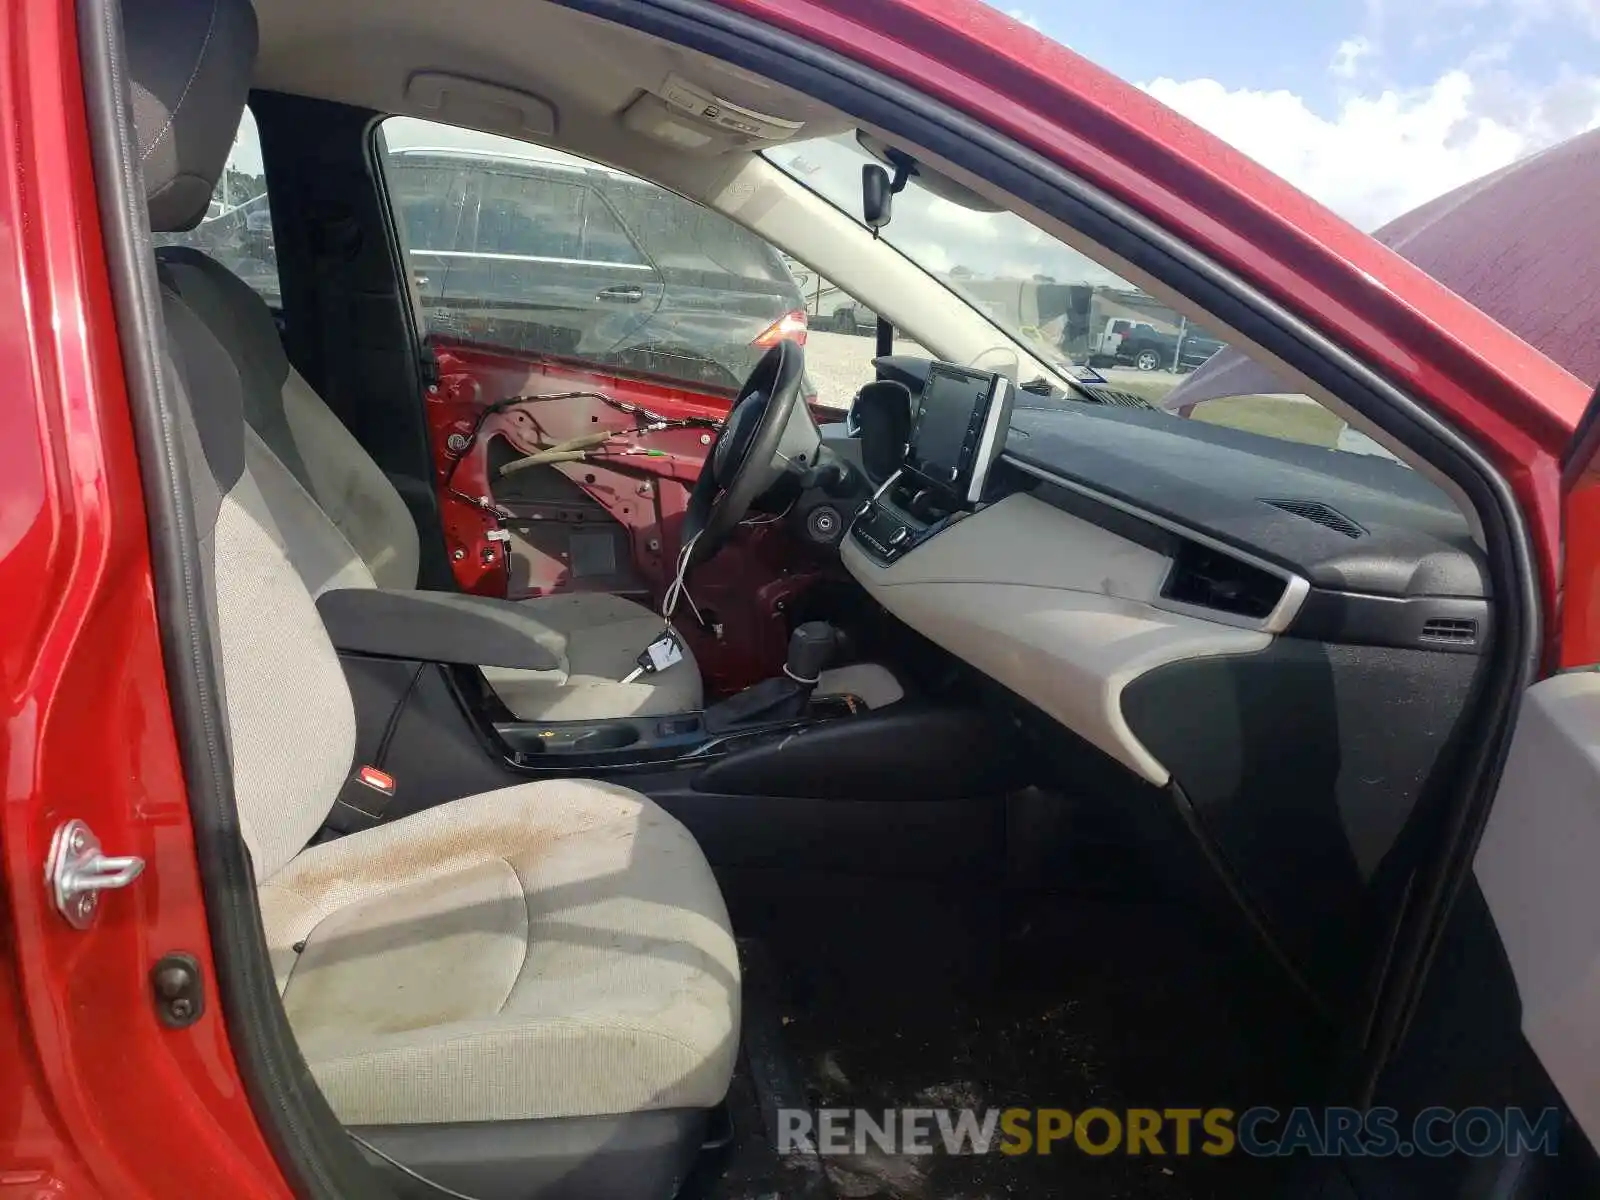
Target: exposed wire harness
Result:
[573, 449]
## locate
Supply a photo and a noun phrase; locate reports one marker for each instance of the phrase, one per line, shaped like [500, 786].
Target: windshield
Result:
[1071, 312]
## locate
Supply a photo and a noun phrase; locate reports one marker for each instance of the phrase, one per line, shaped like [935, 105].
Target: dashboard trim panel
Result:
[1296, 587]
[1054, 607]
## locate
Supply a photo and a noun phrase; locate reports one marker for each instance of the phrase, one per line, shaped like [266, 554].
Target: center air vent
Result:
[1322, 514]
[1208, 578]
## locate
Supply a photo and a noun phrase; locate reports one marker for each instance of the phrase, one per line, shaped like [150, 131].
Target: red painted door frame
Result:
[96, 1099]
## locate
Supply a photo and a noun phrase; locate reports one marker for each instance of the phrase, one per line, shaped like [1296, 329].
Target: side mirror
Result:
[877, 196]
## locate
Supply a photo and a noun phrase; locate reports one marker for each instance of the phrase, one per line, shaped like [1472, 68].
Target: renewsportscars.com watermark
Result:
[1259, 1132]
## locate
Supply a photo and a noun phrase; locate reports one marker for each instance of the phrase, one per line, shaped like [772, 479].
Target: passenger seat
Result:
[595, 636]
[532, 992]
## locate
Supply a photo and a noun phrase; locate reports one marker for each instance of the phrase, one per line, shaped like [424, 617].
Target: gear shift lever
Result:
[812, 648]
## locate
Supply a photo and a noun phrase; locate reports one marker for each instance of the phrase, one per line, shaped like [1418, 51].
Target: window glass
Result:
[532, 218]
[428, 206]
[843, 339]
[538, 217]
[1071, 312]
[237, 228]
[689, 237]
[605, 240]
[536, 251]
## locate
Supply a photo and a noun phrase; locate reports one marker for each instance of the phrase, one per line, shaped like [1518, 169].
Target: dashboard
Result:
[1056, 608]
[1097, 544]
[1280, 639]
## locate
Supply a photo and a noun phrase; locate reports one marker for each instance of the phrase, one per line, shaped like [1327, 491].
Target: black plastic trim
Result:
[646, 1154]
[470, 630]
[1324, 615]
[908, 752]
[305, 1138]
[1201, 577]
[1240, 895]
[1209, 480]
[351, 353]
[1585, 444]
[1107, 516]
[1352, 618]
[1513, 662]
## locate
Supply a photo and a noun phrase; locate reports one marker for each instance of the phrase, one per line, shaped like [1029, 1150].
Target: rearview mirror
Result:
[877, 196]
[905, 167]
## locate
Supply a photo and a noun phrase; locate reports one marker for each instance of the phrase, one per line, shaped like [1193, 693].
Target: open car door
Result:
[1538, 864]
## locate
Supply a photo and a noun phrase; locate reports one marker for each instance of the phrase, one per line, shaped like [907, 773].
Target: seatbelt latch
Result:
[378, 781]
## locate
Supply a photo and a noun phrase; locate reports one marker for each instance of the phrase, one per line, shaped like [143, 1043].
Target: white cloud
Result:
[1024, 16]
[1583, 13]
[1384, 154]
[1347, 58]
[1385, 148]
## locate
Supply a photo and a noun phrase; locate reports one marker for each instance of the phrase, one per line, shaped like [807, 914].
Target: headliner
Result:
[364, 52]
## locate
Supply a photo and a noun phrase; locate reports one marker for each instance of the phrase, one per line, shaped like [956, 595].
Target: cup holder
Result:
[599, 739]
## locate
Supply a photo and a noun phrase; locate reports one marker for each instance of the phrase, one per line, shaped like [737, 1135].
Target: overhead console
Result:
[957, 434]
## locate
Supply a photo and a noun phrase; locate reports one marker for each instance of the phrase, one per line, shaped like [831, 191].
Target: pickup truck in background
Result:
[1126, 342]
[850, 317]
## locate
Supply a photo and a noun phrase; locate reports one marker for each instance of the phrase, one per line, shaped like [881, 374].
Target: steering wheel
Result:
[749, 456]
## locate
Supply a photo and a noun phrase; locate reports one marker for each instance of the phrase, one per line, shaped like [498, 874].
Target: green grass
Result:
[1288, 420]
[1274, 416]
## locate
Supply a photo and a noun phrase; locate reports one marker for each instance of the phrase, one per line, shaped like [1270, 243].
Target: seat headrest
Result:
[190, 63]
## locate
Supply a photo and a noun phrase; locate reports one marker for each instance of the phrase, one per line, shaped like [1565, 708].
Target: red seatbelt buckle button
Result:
[378, 781]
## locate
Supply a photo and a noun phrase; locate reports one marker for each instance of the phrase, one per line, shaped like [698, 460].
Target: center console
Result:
[956, 435]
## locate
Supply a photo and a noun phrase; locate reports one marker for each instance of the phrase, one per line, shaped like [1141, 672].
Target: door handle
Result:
[622, 293]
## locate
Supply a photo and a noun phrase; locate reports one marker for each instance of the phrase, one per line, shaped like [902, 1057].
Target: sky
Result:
[1370, 106]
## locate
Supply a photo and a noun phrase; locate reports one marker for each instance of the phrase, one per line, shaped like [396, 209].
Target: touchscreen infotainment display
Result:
[959, 428]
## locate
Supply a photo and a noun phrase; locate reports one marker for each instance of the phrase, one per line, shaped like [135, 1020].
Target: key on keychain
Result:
[657, 656]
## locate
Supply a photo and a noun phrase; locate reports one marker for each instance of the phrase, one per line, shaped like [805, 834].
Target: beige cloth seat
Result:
[597, 637]
[549, 950]
[474, 983]
[345, 524]
[556, 949]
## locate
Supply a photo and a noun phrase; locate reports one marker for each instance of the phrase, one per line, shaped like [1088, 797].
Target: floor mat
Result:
[902, 996]
[765, 1081]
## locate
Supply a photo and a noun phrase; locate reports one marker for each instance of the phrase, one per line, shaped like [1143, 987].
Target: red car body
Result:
[96, 1097]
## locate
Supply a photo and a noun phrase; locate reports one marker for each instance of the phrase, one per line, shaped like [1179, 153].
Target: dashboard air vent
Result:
[1322, 514]
[1211, 579]
[1451, 630]
[1106, 395]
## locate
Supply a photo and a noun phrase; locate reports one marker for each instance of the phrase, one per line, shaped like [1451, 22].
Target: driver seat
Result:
[349, 527]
